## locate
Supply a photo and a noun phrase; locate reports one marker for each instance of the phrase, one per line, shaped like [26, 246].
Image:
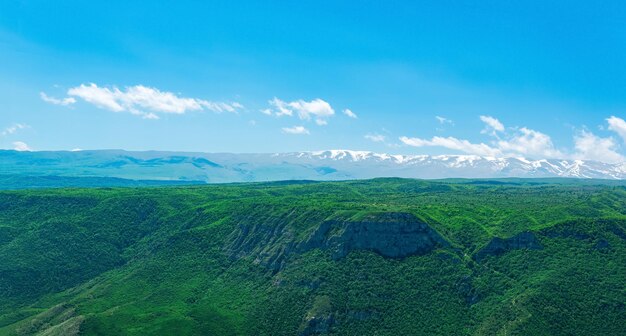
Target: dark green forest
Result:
[372, 257]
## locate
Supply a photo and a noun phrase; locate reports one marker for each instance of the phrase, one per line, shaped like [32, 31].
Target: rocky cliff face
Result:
[596, 232]
[498, 246]
[392, 235]
[317, 325]
[319, 320]
[269, 242]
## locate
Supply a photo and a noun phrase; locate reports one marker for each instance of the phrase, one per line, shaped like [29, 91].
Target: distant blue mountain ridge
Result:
[317, 165]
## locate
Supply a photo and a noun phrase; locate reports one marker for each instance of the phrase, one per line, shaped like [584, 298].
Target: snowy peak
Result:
[466, 165]
[342, 154]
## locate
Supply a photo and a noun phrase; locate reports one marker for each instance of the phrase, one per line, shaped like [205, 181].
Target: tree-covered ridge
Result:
[377, 257]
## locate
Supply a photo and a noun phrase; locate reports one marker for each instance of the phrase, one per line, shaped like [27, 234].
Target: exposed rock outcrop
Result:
[498, 246]
[593, 232]
[317, 325]
[392, 235]
[270, 242]
[319, 319]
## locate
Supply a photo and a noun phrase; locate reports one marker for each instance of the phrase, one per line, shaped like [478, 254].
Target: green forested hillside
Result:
[16, 182]
[377, 257]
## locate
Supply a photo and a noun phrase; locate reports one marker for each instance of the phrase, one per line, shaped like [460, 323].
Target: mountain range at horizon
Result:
[312, 165]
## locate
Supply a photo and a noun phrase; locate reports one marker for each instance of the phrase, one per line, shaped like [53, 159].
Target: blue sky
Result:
[514, 78]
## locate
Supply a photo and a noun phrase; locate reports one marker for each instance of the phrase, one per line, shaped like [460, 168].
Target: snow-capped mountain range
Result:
[315, 165]
[443, 166]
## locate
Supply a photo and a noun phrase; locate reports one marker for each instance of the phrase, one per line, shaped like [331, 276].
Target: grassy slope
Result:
[155, 261]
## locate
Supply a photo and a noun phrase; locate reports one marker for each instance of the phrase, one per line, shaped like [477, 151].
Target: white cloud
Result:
[591, 147]
[529, 142]
[13, 129]
[454, 144]
[21, 146]
[140, 100]
[375, 137]
[150, 116]
[316, 108]
[493, 125]
[295, 130]
[110, 99]
[56, 101]
[443, 120]
[350, 114]
[282, 108]
[525, 142]
[220, 106]
[617, 125]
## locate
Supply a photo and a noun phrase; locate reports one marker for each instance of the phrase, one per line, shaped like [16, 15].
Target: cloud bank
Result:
[618, 126]
[350, 114]
[140, 100]
[452, 143]
[375, 137]
[526, 142]
[13, 129]
[317, 109]
[296, 130]
[444, 120]
[21, 146]
[56, 101]
[591, 147]
[492, 125]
